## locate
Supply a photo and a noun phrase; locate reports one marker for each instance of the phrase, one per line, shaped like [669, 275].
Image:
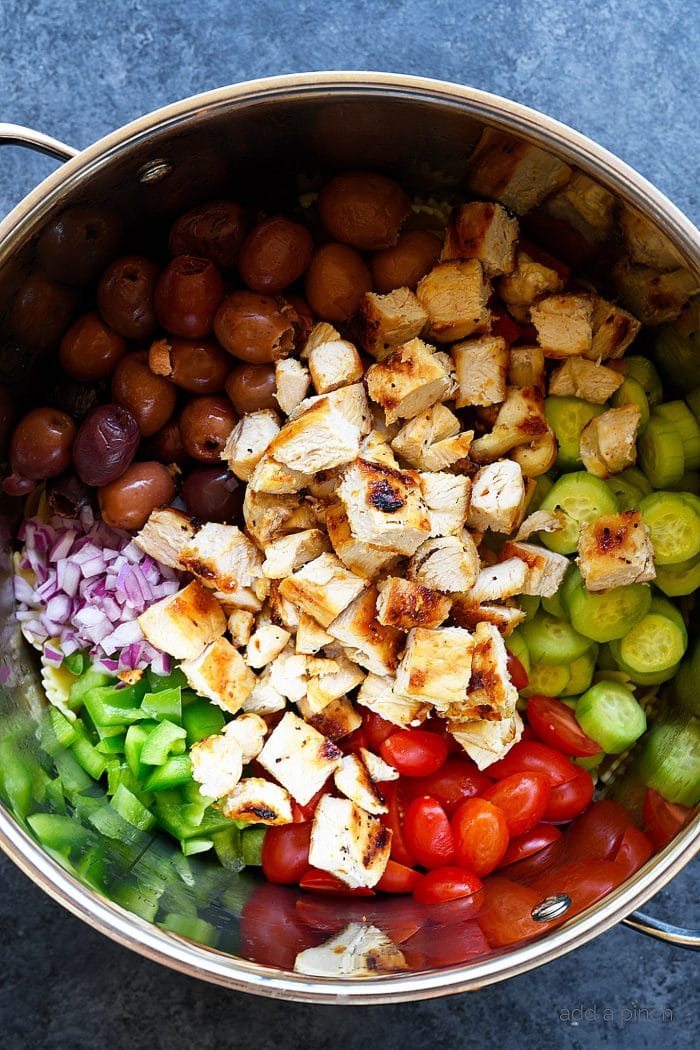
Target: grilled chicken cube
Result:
[484, 231]
[320, 438]
[607, 443]
[368, 642]
[322, 588]
[497, 582]
[164, 535]
[220, 674]
[436, 666]
[405, 604]
[288, 674]
[258, 801]
[357, 555]
[348, 842]
[351, 401]
[292, 382]
[481, 366]
[448, 452]
[333, 361]
[388, 321]
[268, 517]
[588, 380]
[282, 612]
[222, 557]
[378, 693]
[408, 381]
[615, 550]
[564, 323]
[645, 244]
[353, 779]
[529, 282]
[376, 448]
[487, 741]
[240, 626]
[652, 296]
[517, 174]
[287, 554]
[526, 367]
[540, 521]
[467, 614]
[343, 676]
[264, 698]
[498, 497]
[585, 206]
[384, 507]
[218, 760]
[490, 693]
[455, 296]
[359, 950]
[432, 439]
[614, 329]
[266, 643]
[447, 563]
[299, 757]
[446, 497]
[520, 421]
[249, 440]
[545, 569]
[273, 477]
[379, 770]
[310, 637]
[336, 720]
[182, 624]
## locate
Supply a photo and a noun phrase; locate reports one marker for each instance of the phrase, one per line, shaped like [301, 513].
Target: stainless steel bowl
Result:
[274, 135]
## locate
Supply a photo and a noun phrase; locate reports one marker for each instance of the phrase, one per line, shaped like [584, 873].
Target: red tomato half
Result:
[662, 819]
[480, 835]
[453, 944]
[323, 882]
[393, 819]
[523, 797]
[508, 329]
[530, 842]
[635, 850]
[517, 673]
[570, 799]
[285, 852]
[597, 832]
[427, 833]
[529, 756]
[556, 725]
[584, 881]
[413, 752]
[398, 878]
[377, 729]
[506, 916]
[446, 884]
[302, 813]
[456, 780]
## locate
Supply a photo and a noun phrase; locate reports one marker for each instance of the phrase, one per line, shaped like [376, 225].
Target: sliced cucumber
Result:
[567, 416]
[609, 714]
[581, 498]
[660, 453]
[631, 392]
[678, 413]
[604, 615]
[670, 760]
[553, 641]
[673, 521]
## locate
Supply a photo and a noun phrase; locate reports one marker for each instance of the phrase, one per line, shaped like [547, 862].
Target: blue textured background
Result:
[624, 72]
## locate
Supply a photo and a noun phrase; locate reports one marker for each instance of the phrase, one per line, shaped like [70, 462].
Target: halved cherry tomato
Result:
[446, 884]
[517, 673]
[454, 944]
[662, 819]
[508, 329]
[398, 878]
[530, 842]
[413, 752]
[393, 819]
[398, 917]
[323, 882]
[457, 779]
[584, 881]
[506, 916]
[568, 800]
[377, 729]
[352, 743]
[532, 757]
[597, 832]
[555, 724]
[271, 931]
[523, 797]
[285, 852]
[634, 851]
[480, 835]
[427, 833]
[302, 813]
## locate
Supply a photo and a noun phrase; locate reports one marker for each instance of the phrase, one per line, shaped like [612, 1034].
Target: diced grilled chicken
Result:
[322, 588]
[579, 377]
[351, 401]
[348, 842]
[408, 381]
[615, 550]
[446, 497]
[388, 321]
[481, 366]
[240, 627]
[310, 637]
[245, 599]
[585, 206]
[516, 173]
[299, 757]
[337, 719]
[255, 800]
[273, 477]
[614, 329]
[333, 361]
[498, 497]
[322, 689]
[287, 554]
[222, 557]
[323, 486]
[529, 282]
[353, 779]
[653, 297]
[545, 569]
[520, 421]
[540, 521]
[268, 517]
[484, 231]
[432, 439]
[249, 440]
[607, 443]
[455, 296]
[164, 535]
[405, 604]
[249, 730]
[359, 950]
[357, 555]
[282, 612]
[646, 244]
[375, 448]
[436, 666]
[466, 614]
[182, 624]
[379, 694]
[564, 323]
[447, 563]
[288, 674]
[371, 644]
[384, 507]
[292, 382]
[526, 367]
[217, 764]
[266, 643]
[379, 770]
[220, 674]
[486, 741]
[264, 698]
[446, 453]
[319, 439]
[490, 694]
[497, 582]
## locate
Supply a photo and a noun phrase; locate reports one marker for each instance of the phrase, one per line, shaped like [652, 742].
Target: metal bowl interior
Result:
[268, 140]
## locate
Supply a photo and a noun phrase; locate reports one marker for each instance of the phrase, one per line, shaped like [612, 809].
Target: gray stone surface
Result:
[624, 72]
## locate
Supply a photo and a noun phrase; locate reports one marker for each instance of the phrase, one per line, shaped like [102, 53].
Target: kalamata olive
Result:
[213, 494]
[41, 312]
[125, 296]
[254, 327]
[167, 445]
[213, 231]
[90, 349]
[188, 293]
[41, 443]
[67, 494]
[7, 418]
[78, 243]
[77, 399]
[336, 282]
[197, 365]
[302, 318]
[275, 254]
[150, 398]
[363, 209]
[18, 485]
[105, 444]
[252, 387]
[205, 424]
[403, 265]
[127, 502]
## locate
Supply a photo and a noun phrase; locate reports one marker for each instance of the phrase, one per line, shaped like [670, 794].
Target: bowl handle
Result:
[663, 931]
[16, 135]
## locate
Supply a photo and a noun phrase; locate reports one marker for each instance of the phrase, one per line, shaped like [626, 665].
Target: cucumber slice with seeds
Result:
[567, 416]
[678, 413]
[673, 521]
[553, 641]
[582, 498]
[604, 616]
[660, 452]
